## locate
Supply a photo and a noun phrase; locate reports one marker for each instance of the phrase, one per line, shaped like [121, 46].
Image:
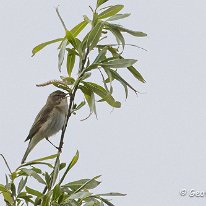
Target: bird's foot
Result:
[52, 144]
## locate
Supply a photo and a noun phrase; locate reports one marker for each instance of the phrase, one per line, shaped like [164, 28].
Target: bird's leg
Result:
[52, 143]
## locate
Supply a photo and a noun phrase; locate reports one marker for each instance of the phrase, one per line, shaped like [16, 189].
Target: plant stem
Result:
[72, 97]
[6, 163]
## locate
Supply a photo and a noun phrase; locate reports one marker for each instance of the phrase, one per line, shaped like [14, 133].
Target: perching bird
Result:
[49, 121]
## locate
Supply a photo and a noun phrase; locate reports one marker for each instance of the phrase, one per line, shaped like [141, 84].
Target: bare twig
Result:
[6, 163]
[57, 10]
[133, 45]
[72, 96]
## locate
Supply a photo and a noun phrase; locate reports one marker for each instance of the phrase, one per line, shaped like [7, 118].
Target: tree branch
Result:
[6, 163]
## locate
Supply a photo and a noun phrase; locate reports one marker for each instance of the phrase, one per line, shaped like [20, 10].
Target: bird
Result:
[50, 120]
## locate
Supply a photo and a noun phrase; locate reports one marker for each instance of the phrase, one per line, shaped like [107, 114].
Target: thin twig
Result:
[133, 45]
[72, 96]
[6, 163]
[57, 10]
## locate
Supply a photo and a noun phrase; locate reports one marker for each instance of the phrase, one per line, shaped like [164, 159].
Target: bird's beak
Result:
[67, 95]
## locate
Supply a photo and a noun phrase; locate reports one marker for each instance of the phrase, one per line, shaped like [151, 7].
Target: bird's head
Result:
[55, 98]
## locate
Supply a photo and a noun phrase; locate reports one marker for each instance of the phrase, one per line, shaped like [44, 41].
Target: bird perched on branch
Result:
[50, 120]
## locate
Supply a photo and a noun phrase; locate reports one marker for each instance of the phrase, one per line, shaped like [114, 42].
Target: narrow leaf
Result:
[70, 63]
[100, 2]
[79, 195]
[112, 194]
[89, 96]
[100, 91]
[41, 46]
[70, 37]
[111, 11]
[120, 79]
[118, 35]
[129, 31]
[107, 202]
[101, 55]
[71, 164]
[119, 63]
[32, 173]
[87, 183]
[45, 158]
[118, 16]
[94, 35]
[55, 171]
[136, 74]
[34, 192]
[77, 184]
[62, 53]
[21, 185]
[78, 28]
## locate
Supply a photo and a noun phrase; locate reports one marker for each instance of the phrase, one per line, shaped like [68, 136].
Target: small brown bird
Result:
[49, 121]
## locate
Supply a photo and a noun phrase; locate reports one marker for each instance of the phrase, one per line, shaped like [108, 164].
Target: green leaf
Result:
[77, 184]
[118, 16]
[68, 80]
[100, 91]
[119, 63]
[74, 161]
[118, 35]
[55, 171]
[129, 31]
[47, 178]
[86, 75]
[87, 183]
[3, 188]
[44, 158]
[8, 197]
[100, 2]
[90, 203]
[56, 192]
[94, 35]
[107, 202]
[71, 164]
[13, 189]
[62, 53]
[79, 195]
[101, 55]
[36, 163]
[21, 185]
[41, 46]
[34, 192]
[89, 96]
[70, 63]
[112, 194]
[62, 166]
[121, 80]
[111, 11]
[70, 37]
[32, 173]
[136, 74]
[78, 28]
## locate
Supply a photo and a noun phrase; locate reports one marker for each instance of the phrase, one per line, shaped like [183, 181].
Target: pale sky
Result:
[153, 146]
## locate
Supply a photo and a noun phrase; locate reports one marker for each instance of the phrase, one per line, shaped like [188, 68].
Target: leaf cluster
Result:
[58, 193]
[109, 59]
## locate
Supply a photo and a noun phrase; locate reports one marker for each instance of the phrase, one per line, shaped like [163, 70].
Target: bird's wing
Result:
[40, 119]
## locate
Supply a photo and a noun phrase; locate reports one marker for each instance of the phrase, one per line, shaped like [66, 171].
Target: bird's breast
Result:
[54, 123]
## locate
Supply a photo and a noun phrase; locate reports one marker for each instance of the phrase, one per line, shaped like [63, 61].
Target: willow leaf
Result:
[111, 11]
[94, 35]
[118, 16]
[119, 63]
[42, 45]
[103, 93]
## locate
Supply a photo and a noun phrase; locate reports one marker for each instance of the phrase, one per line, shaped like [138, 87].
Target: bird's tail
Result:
[31, 145]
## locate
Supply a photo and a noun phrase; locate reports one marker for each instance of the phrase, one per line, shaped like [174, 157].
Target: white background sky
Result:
[151, 148]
